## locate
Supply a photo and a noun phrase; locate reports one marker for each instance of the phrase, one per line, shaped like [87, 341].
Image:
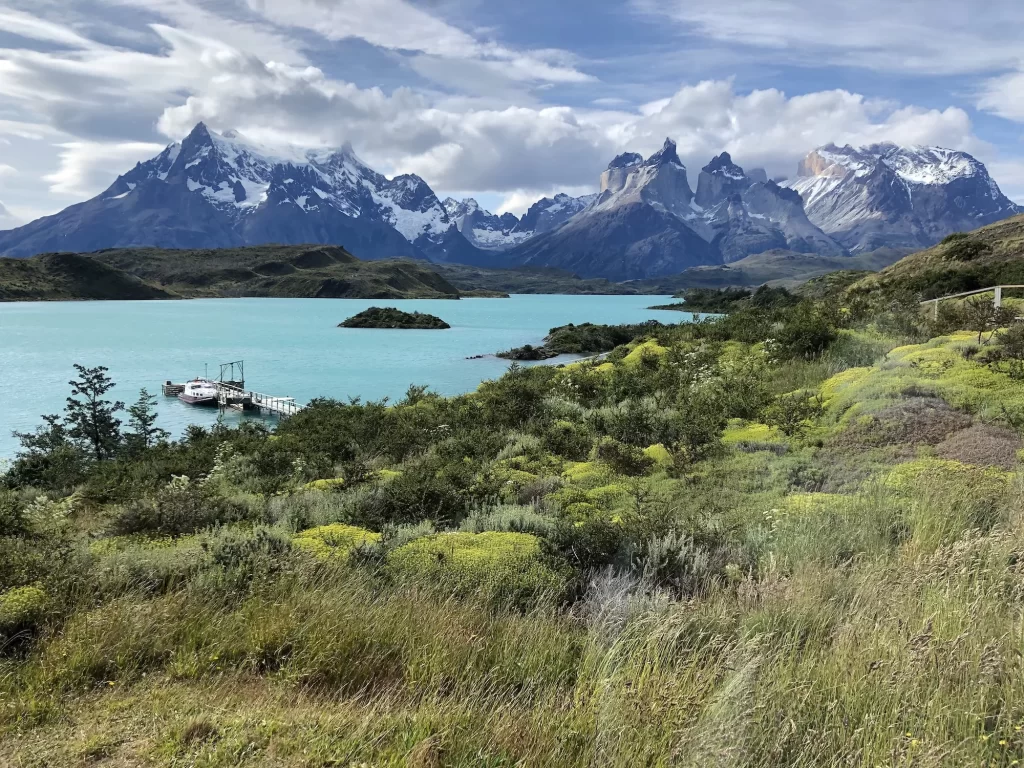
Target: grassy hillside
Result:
[68, 276]
[269, 271]
[992, 255]
[792, 536]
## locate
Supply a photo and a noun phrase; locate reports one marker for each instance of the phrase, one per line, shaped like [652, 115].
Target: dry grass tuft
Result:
[983, 445]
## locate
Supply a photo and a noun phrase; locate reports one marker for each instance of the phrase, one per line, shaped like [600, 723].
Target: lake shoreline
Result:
[290, 347]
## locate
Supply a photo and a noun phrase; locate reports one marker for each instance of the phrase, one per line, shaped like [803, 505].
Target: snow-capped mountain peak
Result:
[494, 232]
[214, 189]
[890, 195]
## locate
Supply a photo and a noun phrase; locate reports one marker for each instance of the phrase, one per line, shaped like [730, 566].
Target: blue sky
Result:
[502, 101]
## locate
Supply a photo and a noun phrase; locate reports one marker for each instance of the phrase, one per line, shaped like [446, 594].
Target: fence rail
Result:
[995, 289]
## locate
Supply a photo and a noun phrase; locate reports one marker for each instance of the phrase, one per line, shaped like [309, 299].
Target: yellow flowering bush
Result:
[660, 454]
[21, 609]
[335, 540]
[740, 431]
[329, 484]
[499, 564]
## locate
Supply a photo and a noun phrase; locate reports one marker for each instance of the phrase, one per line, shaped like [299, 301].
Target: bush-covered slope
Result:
[67, 276]
[317, 271]
[790, 536]
[992, 255]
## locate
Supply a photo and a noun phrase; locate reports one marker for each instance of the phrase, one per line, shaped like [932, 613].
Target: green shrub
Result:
[150, 567]
[623, 459]
[571, 440]
[334, 541]
[180, 507]
[503, 566]
[509, 518]
[21, 610]
[12, 515]
[960, 246]
[248, 559]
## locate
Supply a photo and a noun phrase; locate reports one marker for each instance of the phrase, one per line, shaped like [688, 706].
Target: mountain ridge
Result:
[218, 190]
[214, 190]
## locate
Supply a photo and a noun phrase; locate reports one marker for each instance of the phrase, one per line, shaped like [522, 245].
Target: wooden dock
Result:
[233, 394]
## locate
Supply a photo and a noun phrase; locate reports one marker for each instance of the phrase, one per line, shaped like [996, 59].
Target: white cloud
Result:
[95, 102]
[919, 36]
[246, 35]
[1004, 96]
[520, 200]
[7, 219]
[7, 170]
[33, 27]
[86, 167]
[767, 128]
[398, 25]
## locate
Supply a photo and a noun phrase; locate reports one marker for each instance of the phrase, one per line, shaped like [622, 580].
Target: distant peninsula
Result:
[389, 317]
[277, 271]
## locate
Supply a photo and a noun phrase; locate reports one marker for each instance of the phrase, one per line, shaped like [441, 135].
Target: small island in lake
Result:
[583, 339]
[389, 317]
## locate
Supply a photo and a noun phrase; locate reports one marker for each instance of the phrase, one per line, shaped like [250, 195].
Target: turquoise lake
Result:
[290, 347]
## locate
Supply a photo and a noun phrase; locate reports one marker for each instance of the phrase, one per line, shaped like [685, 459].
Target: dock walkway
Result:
[232, 393]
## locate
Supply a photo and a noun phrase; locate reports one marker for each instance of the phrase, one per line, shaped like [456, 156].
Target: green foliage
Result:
[335, 540]
[983, 316]
[960, 246]
[142, 420]
[49, 458]
[503, 566]
[389, 317]
[250, 558]
[571, 440]
[89, 417]
[793, 413]
[621, 458]
[1008, 355]
[516, 595]
[12, 514]
[21, 610]
[586, 338]
[182, 506]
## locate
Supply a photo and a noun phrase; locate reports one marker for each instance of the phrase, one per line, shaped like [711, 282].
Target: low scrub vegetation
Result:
[789, 536]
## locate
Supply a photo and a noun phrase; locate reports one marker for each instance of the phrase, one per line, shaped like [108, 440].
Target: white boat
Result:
[199, 392]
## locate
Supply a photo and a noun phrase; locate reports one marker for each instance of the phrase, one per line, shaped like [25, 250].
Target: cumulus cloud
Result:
[102, 107]
[523, 149]
[7, 170]
[520, 200]
[769, 129]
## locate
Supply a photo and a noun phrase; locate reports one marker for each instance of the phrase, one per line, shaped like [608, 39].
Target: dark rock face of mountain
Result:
[213, 190]
[647, 222]
[628, 241]
[887, 195]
